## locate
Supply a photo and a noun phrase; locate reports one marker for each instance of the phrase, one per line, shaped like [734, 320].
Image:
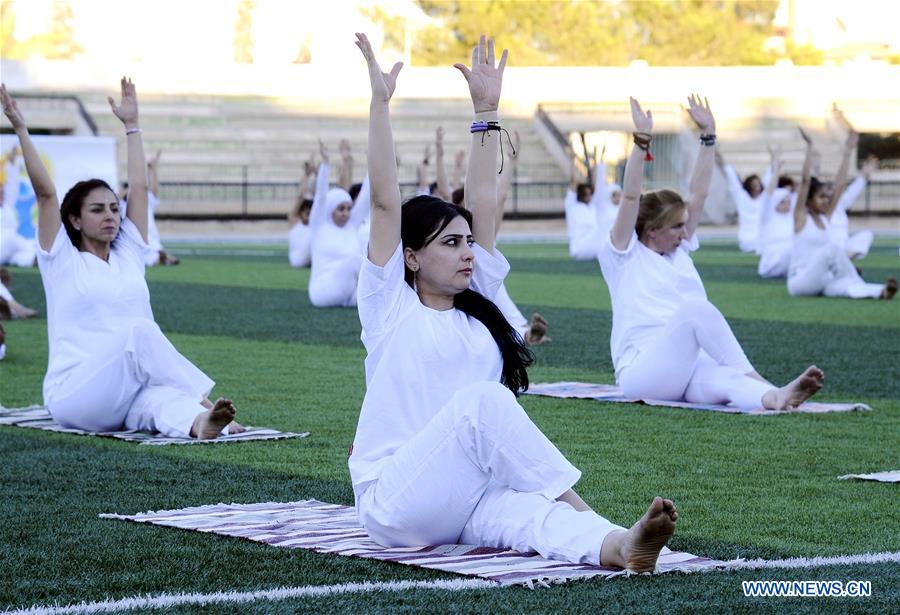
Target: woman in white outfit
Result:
[668, 341]
[336, 253]
[856, 245]
[776, 229]
[820, 266]
[443, 453]
[748, 199]
[110, 367]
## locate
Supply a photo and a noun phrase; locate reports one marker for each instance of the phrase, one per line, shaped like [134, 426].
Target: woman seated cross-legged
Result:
[110, 367]
[443, 453]
[668, 341]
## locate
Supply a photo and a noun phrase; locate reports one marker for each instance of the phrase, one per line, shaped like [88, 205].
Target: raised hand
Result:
[460, 160]
[485, 80]
[344, 149]
[643, 122]
[700, 112]
[439, 141]
[323, 152]
[805, 136]
[127, 109]
[383, 84]
[869, 167]
[852, 140]
[11, 109]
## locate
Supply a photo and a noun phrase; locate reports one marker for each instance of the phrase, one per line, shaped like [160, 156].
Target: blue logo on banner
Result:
[25, 208]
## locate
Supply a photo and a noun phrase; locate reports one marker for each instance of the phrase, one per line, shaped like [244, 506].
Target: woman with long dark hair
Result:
[443, 453]
[110, 367]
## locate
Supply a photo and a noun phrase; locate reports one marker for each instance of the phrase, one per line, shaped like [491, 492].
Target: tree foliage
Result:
[243, 32]
[599, 32]
[56, 43]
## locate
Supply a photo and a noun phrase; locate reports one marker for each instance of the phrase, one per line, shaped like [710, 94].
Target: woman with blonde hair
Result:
[668, 341]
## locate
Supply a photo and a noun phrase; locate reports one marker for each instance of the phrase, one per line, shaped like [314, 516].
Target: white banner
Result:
[68, 160]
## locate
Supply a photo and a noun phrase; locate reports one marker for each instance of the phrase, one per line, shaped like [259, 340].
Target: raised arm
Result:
[422, 171]
[384, 234]
[443, 183]
[803, 191]
[507, 174]
[345, 175]
[858, 185]
[623, 227]
[44, 190]
[485, 83]
[459, 165]
[840, 180]
[317, 214]
[153, 173]
[699, 187]
[362, 206]
[127, 112]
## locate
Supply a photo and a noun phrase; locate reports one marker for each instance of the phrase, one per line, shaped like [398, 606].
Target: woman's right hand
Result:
[383, 84]
[643, 122]
[11, 109]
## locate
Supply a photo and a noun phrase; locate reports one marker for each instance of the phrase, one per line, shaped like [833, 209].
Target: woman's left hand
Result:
[127, 109]
[485, 80]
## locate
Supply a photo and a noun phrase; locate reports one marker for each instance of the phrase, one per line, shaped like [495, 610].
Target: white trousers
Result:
[859, 243]
[481, 473]
[774, 260]
[15, 250]
[830, 272]
[695, 358]
[336, 288]
[143, 383]
[515, 318]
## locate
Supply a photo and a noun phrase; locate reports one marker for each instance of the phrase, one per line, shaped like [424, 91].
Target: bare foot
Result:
[235, 427]
[209, 423]
[890, 289]
[797, 391]
[537, 333]
[642, 543]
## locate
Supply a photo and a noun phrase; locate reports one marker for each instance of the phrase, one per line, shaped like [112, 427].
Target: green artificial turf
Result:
[744, 486]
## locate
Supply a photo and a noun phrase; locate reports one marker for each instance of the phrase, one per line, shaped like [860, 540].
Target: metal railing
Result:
[79, 106]
[271, 200]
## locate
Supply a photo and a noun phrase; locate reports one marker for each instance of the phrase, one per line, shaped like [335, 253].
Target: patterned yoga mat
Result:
[332, 528]
[38, 417]
[891, 476]
[608, 392]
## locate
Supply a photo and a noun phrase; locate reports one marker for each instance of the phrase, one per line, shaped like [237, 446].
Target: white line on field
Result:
[813, 562]
[163, 601]
[172, 600]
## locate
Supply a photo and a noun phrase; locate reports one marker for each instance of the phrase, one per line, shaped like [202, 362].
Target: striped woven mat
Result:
[38, 417]
[333, 528]
[611, 393]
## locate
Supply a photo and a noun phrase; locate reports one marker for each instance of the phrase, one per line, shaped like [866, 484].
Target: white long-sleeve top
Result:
[748, 208]
[840, 223]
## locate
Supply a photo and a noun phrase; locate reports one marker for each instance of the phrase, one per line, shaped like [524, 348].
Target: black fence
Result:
[271, 200]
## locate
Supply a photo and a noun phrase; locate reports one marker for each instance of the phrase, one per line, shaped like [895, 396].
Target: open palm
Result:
[383, 84]
[485, 80]
[700, 112]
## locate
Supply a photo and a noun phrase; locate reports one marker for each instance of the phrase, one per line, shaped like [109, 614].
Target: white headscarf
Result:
[335, 197]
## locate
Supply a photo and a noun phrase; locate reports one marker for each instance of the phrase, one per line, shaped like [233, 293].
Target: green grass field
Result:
[745, 486]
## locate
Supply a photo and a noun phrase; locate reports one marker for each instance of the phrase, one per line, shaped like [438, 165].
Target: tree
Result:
[243, 32]
[598, 32]
[57, 43]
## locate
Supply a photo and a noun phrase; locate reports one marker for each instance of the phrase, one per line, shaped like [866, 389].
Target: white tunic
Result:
[646, 289]
[89, 300]
[417, 358]
[581, 224]
[748, 208]
[807, 244]
[299, 245]
[840, 223]
[776, 236]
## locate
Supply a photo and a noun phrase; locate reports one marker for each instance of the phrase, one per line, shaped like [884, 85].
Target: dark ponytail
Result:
[422, 219]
